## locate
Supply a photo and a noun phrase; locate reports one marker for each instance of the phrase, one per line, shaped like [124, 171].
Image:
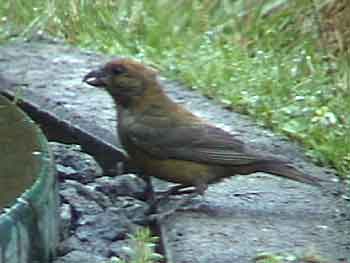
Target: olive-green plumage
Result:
[169, 142]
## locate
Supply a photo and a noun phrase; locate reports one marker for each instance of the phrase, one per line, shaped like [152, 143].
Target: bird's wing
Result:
[199, 143]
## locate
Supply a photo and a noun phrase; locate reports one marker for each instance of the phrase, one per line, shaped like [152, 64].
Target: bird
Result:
[167, 141]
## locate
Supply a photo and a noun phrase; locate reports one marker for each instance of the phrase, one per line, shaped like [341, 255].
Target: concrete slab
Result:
[47, 80]
[286, 216]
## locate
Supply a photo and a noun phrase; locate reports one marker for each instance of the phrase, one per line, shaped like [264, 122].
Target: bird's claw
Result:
[160, 217]
[184, 204]
[175, 190]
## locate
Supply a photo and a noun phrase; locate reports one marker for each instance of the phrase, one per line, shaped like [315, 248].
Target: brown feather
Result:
[167, 141]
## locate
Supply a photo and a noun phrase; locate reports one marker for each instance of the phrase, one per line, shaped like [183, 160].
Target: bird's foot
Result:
[192, 207]
[184, 204]
[175, 190]
[160, 217]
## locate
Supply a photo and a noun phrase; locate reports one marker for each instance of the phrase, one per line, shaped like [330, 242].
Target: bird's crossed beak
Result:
[96, 78]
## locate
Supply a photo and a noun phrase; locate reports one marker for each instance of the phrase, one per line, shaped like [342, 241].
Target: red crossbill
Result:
[167, 141]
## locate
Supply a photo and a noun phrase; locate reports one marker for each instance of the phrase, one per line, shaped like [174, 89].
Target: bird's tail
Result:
[286, 170]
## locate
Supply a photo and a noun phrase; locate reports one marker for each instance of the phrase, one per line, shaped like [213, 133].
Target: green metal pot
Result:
[29, 202]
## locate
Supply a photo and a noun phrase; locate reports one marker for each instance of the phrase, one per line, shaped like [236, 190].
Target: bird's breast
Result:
[177, 171]
[173, 170]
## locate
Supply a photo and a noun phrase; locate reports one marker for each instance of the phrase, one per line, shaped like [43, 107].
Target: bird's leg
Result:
[149, 193]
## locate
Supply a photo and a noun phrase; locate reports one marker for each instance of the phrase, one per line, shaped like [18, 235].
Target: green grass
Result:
[141, 249]
[271, 65]
[309, 255]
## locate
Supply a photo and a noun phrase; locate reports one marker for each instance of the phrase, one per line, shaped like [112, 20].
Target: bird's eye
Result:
[118, 70]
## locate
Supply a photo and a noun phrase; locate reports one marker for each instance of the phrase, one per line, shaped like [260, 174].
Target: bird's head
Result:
[124, 79]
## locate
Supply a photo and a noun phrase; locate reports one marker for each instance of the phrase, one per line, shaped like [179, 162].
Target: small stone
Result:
[90, 193]
[66, 221]
[110, 225]
[70, 244]
[80, 256]
[95, 246]
[134, 209]
[322, 227]
[79, 204]
[65, 172]
[74, 164]
[346, 197]
[123, 185]
[118, 249]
